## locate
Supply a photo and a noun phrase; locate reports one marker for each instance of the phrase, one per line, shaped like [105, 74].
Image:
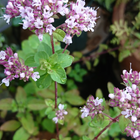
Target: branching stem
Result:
[113, 121]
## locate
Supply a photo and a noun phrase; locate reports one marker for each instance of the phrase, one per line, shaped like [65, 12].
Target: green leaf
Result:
[58, 74]
[137, 35]
[85, 138]
[44, 81]
[36, 104]
[46, 39]
[16, 21]
[99, 121]
[99, 93]
[46, 93]
[110, 87]
[21, 133]
[88, 64]
[48, 125]
[53, 59]
[64, 60]
[28, 123]
[114, 130]
[51, 115]
[30, 88]
[78, 78]
[80, 130]
[45, 47]
[11, 125]
[41, 56]
[1, 134]
[48, 110]
[129, 83]
[124, 54]
[41, 72]
[96, 61]
[82, 72]
[73, 111]
[71, 85]
[34, 41]
[31, 62]
[61, 51]
[49, 102]
[73, 98]
[123, 122]
[21, 54]
[20, 95]
[77, 54]
[3, 113]
[5, 104]
[113, 54]
[26, 47]
[59, 34]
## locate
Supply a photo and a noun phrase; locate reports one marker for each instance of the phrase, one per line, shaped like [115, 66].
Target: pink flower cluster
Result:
[79, 19]
[60, 113]
[15, 68]
[38, 16]
[92, 107]
[128, 100]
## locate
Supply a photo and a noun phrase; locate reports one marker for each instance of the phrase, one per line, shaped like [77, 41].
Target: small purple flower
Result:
[38, 23]
[98, 101]
[60, 113]
[136, 134]
[7, 18]
[92, 107]
[85, 112]
[55, 119]
[35, 76]
[112, 96]
[2, 55]
[127, 113]
[133, 118]
[5, 81]
[67, 39]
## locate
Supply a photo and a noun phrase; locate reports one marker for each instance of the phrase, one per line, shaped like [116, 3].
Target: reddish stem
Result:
[96, 54]
[59, 26]
[108, 116]
[53, 51]
[113, 121]
[103, 131]
[55, 94]
[65, 48]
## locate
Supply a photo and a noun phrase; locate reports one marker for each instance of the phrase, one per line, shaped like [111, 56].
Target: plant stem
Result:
[53, 51]
[65, 48]
[113, 121]
[103, 130]
[108, 116]
[96, 54]
[59, 26]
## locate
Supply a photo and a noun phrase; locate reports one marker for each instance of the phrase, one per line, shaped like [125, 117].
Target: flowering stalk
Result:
[53, 51]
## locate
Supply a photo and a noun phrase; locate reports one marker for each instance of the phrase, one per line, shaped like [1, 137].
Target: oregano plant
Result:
[44, 63]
